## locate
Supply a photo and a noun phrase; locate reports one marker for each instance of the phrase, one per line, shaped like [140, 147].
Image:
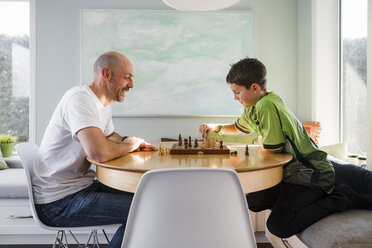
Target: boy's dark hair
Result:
[246, 72]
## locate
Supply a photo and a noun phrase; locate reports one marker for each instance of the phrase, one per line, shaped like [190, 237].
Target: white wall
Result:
[57, 59]
[318, 85]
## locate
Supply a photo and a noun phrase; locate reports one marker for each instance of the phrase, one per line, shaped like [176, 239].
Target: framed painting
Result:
[180, 59]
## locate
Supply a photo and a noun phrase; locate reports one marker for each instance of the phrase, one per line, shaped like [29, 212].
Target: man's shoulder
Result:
[81, 91]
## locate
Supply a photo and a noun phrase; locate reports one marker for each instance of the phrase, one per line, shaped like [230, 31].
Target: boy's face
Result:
[247, 97]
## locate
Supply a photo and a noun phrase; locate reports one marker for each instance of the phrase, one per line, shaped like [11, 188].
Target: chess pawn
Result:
[186, 144]
[221, 144]
[179, 140]
[196, 143]
[246, 150]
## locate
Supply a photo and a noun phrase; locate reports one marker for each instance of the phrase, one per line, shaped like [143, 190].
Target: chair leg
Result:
[76, 240]
[108, 241]
[94, 236]
[61, 239]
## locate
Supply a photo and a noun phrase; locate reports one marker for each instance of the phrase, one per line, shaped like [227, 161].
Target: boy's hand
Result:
[206, 129]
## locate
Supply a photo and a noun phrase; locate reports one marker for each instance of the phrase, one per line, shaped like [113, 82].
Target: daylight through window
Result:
[14, 69]
[354, 75]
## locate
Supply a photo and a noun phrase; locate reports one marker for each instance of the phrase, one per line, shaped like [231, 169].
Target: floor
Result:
[259, 245]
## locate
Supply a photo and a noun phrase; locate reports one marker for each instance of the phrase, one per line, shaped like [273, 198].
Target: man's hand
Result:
[206, 129]
[138, 144]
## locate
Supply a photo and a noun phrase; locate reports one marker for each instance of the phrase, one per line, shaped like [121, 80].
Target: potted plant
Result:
[7, 143]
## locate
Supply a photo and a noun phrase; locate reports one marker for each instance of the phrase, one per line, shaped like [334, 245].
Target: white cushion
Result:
[338, 150]
[13, 183]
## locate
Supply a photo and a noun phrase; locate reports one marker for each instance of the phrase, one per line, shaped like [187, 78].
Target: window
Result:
[354, 75]
[14, 68]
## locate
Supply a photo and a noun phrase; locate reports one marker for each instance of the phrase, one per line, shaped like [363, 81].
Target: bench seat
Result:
[349, 229]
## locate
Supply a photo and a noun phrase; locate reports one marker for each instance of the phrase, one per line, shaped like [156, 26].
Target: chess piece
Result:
[186, 143]
[246, 150]
[190, 141]
[196, 143]
[221, 144]
[160, 150]
[234, 153]
[213, 142]
[179, 140]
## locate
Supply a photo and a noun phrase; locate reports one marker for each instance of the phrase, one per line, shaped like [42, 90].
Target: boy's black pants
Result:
[295, 207]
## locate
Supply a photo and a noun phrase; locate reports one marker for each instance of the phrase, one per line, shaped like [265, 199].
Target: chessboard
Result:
[176, 149]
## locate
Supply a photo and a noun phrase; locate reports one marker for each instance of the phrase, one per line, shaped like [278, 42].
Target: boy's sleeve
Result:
[271, 130]
[242, 124]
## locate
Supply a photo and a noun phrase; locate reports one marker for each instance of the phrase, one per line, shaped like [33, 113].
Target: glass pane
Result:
[14, 69]
[354, 81]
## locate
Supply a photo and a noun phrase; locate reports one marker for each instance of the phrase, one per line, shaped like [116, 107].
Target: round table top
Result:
[142, 161]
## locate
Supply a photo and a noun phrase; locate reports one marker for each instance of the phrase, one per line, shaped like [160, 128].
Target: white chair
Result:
[193, 207]
[28, 154]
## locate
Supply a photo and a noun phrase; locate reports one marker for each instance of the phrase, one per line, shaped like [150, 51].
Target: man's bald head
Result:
[112, 60]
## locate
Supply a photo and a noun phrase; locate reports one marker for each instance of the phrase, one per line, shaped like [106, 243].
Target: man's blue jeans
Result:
[94, 205]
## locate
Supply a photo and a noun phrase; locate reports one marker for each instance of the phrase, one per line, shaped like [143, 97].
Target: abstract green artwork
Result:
[180, 59]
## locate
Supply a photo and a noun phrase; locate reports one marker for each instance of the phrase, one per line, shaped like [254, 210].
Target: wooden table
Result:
[259, 170]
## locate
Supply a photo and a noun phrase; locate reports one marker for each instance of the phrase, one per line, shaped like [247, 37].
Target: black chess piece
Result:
[234, 153]
[190, 143]
[221, 144]
[179, 140]
[246, 150]
[186, 143]
[196, 143]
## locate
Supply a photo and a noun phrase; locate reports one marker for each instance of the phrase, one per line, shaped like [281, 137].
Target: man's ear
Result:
[106, 74]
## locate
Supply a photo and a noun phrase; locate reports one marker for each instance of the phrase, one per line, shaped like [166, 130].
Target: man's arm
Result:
[100, 148]
[115, 137]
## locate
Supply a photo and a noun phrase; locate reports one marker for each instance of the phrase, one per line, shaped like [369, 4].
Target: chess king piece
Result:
[204, 143]
[179, 140]
[246, 150]
[213, 142]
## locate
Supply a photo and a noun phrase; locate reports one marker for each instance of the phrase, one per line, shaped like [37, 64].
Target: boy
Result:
[307, 192]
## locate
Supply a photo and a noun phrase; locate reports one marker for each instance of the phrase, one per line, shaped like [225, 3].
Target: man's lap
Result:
[95, 205]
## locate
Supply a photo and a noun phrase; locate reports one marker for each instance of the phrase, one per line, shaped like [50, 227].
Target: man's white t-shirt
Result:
[61, 168]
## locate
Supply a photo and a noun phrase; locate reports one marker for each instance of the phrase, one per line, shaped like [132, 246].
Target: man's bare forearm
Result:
[115, 137]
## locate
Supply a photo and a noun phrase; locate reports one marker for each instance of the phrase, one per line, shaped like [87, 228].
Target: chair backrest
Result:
[193, 207]
[28, 154]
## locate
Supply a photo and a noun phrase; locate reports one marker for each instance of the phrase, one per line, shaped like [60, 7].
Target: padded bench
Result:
[349, 229]
[16, 223]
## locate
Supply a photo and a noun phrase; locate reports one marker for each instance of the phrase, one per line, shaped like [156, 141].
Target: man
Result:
[66, 193]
